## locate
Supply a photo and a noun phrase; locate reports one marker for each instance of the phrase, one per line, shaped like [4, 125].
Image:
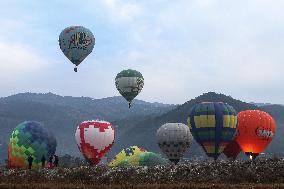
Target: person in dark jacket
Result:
[56, 160]
[30, 160]
[50, 165]
[43, 160]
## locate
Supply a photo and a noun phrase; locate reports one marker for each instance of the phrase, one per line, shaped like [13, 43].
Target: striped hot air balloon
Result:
[213, 126]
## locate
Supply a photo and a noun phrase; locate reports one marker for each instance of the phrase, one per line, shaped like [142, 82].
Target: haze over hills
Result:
[61, 114]
[145, 131]
[135, 126]
[110, 108]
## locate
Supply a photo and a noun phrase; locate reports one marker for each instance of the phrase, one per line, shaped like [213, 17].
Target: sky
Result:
[183, 48]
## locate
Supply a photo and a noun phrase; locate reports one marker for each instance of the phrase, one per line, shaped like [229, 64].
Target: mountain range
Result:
[134, 126]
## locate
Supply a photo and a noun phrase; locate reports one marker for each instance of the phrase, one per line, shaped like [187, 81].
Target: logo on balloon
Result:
[264, 133]
[80, 40]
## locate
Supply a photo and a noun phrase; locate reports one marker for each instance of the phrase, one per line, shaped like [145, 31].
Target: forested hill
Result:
[145, 131]
[62, 114]
[135, 126]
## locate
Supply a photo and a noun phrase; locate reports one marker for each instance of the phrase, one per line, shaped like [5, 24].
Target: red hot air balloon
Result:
[94, 139]
[256, 130]
[232, 150]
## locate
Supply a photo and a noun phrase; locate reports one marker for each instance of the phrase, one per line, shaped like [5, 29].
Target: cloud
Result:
[121, 11]
[18, 59]
[183, 48]
[204, 47]
[21, 68]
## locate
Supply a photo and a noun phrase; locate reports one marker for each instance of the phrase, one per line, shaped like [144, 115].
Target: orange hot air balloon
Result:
[255, 130]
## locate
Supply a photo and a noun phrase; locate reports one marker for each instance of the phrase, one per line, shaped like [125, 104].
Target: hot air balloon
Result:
[129, 83]
[30, 138]
[121, 158]
[174, 139]
[146, 159]
[76, 42]
[94, 139]
[232, 150]
[213, 126]
[256, 130]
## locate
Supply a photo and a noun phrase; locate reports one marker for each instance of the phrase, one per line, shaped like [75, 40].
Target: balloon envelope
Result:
[94, 139]
[174, 139]
[232, 150]
[76, 42]
[256, 130]
[30, 138]
[129, 83]
[213, 126]
[122, 157]
[146, 159]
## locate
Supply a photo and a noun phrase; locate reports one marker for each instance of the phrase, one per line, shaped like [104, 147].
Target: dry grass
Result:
[146, 186]
[205, 175]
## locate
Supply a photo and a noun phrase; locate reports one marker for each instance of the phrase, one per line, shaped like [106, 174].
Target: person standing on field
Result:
[43, 160]
[56, 160]
[50, 165]
[30, 160]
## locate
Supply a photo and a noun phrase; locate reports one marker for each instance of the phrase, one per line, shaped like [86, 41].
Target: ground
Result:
[263, 173]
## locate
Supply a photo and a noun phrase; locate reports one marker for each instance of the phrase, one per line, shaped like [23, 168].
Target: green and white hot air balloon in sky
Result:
[129, 83]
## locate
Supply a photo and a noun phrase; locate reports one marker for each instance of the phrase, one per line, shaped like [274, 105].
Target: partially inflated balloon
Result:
[129, 83]
[121, 158]
[146, 159]
[94, 139]
[232, 150]
[174, 139]
[76, 42]
[213, 126]
[30, 138]
[256, 130]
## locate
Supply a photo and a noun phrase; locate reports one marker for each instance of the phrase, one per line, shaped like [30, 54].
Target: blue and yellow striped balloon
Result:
[213, 126]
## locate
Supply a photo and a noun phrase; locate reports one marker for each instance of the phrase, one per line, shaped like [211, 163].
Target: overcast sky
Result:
[183, 48]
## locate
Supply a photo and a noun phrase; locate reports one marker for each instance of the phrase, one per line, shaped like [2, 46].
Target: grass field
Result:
[145, 186]
[268, 173]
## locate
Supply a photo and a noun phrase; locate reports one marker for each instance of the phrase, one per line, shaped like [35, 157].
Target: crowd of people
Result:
[52, 161]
